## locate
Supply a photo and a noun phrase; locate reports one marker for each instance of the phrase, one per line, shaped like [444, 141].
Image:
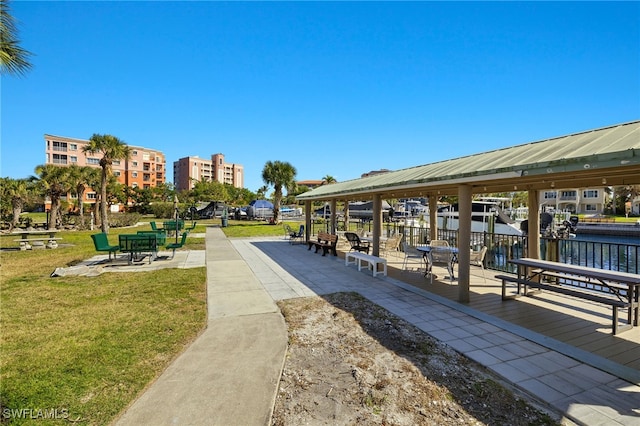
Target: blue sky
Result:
[334, 88]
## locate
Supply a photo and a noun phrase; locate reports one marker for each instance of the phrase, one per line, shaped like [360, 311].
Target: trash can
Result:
[225, 222]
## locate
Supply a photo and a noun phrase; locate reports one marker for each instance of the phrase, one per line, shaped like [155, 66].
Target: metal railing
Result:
[501, 248]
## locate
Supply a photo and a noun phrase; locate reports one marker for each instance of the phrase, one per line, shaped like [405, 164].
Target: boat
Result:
[486, 216]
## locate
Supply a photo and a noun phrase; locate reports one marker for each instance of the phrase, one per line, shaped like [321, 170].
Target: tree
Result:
[328, 179]
[53, 182]
[262, 192]
[13, 58]
[112, 149]
[81, 178]
[279, 174]
[15, 192]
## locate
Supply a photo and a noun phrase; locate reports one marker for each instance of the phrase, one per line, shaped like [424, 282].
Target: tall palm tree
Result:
[13, 59]
[279, 174]
[112, 149]
[53, 182]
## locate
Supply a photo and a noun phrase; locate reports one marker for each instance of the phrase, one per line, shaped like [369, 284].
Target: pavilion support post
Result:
[464, 242]
[346, 215]
[433, 217]
[334, 216]
[307, 220]
[377, 223]
[533, 233]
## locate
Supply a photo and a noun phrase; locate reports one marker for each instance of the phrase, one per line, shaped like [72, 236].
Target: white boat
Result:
[486, 216]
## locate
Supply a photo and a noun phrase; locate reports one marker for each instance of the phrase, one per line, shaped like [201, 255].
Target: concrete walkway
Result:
[229, 375]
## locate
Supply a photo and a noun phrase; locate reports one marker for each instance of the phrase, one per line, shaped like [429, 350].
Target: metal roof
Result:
[605, 156]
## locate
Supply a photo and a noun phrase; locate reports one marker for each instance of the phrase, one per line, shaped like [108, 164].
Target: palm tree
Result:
[53, 181]
[328, 179]
[112, 149]
[80, 179]
[279, 174]
[13, 58]
[17, 193]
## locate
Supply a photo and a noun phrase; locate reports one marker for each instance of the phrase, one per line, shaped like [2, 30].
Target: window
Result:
[73, 146]
[59, 159]
[145, 156]
[134, 185]
[116, 173]
[590, 193]
[134, 164]
[91, 160]
[134, 153]
[550, 195]
[146, 186]
[59, 146]
[590, 207]
[134, 174]
[91, 196]
[116, 162]
[73, 159]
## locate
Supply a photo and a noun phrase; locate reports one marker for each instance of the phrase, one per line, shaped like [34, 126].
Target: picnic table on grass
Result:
[36, 238]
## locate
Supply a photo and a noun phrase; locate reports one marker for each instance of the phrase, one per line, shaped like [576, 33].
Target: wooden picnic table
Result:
[619, 289]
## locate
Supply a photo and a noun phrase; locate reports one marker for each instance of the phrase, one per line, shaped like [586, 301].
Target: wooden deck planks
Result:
[582, 324]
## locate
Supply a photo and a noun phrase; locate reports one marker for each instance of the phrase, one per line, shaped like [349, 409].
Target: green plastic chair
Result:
[101, 243]
[174, 246]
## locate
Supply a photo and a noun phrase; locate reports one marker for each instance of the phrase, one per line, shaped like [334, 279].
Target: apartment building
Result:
[576, 200]
[188, 170]
[145, 169]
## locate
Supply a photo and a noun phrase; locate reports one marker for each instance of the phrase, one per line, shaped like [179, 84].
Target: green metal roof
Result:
[606, 156]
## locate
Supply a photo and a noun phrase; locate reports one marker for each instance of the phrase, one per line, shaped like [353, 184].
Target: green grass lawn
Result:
[87, 346]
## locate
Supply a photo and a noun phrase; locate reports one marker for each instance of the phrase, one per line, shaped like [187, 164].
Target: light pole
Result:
[175, 208]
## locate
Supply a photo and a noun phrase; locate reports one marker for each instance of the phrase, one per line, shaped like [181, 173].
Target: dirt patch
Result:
[352, 362]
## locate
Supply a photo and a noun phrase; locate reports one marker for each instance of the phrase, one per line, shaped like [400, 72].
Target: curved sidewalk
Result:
[229, 375]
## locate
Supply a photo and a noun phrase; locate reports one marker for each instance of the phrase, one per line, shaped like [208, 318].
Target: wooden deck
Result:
[582, 324]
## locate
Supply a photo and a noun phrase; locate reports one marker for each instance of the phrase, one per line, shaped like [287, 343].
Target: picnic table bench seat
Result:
[327, 242]
[604, 298]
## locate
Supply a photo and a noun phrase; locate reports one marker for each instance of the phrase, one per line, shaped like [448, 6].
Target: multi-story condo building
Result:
[189, 170]
[145, 169]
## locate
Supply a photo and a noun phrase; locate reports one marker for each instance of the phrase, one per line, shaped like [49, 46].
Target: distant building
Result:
[145, 169]
[189, 170]
[311, 183]
[575, 200]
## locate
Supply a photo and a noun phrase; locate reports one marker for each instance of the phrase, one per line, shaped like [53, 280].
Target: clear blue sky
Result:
[333, 88]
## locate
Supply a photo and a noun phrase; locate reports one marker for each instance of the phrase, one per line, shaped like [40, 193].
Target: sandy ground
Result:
[351, 362]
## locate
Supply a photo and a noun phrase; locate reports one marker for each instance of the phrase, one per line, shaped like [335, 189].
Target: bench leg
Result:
[504, 292]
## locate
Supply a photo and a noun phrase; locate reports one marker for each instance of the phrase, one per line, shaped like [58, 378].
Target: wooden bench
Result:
[372, 261]
[325, 242]
[569, 291]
